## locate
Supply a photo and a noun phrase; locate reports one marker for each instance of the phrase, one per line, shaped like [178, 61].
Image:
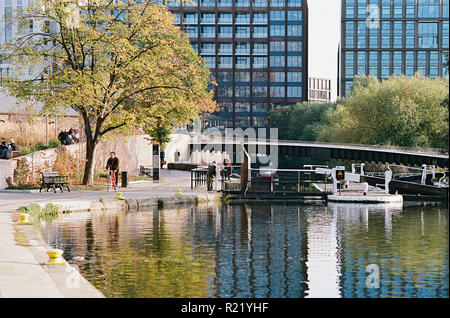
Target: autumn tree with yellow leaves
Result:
[119, 64]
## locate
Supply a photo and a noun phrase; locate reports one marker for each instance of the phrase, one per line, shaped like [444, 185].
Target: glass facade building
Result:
[393, 37]
[256, 50]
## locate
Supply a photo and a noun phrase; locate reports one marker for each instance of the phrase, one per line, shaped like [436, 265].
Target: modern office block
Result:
[393, 37]
[319, 90]
[256, 50]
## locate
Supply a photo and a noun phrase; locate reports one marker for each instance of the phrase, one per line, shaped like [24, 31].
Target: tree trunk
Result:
[89, 168]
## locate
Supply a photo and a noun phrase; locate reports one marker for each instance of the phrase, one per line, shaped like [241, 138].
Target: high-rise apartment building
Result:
[256, 50]
[393, 37]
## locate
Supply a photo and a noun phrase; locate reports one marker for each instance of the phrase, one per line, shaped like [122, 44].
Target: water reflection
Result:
[260, 250]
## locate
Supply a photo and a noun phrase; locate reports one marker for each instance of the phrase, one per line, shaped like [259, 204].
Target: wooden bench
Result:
[52, 179]
[12, 154]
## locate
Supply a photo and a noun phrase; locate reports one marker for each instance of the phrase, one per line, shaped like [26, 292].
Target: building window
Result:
[398, 34]
[385, 34]
[225, 17]
[349, 34]
[422, 62]
[444, 64]
[242, 3]
[259, 91]
[277, 77]
[225, 61]
[187, 4]
[225, 48]
[361, 63]
[362, 7]
[243, 17]
[350, 8]
[373, 37]
[385, 62]
[397, 63]
[428, 8]
[226, 107]
[277, 16]
[242, 107]
[409, 63]
[348, 87]
[373, 63]
[242, 121]
[294, 61]
[428, 35]
[409, 34]
[277, 91]
[225, 77]
[259, 78]
[294, 3]
[294, 91]
[242, 91]
[277, 3]
[259, 17]
[260, 32]
[208, 3]
[260, 3]
[410, 8]
[242, 62]
[386, 8]
[295, 16]
[398, 8]
[277, 30]
[190, 18]
[191, 30]
[445, 8]
[259, 62]
[208, 31]
[349, 60]
[194, 46]
[242, 77]
[277, 61]
[225, 32]
[259, 48]
[361, 34]
[210, 61]
[445, 34]
[259, 107]
[259, 121]
[208, 48]
[277, 46]
[294, 46]
[294, 30]
[242, 32]
[434, 64]
[242, 48]
[294, 77]
[225, 3]
[208, 17]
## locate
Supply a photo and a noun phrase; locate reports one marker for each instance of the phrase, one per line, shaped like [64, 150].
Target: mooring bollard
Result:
[366, 188]
[178, 192]
[54, 257]
[24, 219]
[119, 196]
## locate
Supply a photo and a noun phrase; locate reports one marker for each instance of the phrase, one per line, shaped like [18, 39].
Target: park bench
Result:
[52, 179]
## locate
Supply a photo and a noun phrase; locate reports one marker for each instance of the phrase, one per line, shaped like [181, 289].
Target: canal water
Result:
[260, 250]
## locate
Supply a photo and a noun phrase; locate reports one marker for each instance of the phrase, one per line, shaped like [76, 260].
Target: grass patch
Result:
[48, 213]
[27, 149]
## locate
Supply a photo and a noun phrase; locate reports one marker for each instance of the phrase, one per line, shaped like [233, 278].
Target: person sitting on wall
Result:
[62, 137]
[12, 145]
[3, 148]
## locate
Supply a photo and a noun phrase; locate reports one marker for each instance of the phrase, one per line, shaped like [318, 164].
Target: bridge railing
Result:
[288, 180]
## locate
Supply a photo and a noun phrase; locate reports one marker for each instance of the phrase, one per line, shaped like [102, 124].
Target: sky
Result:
[324, 37]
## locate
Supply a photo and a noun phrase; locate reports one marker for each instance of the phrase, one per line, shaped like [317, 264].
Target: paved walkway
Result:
[171, 181]
[21, 271]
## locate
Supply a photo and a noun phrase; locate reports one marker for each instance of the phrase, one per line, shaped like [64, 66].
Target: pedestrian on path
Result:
[210, 175]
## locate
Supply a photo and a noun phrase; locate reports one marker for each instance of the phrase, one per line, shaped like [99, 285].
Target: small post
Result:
[362, 169]
[298, 181]
[353, 168]
[333, 174]
[424, 174]
[387, 179]
[433, 171]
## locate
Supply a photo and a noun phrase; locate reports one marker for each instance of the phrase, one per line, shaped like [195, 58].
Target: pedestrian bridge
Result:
[326, 151]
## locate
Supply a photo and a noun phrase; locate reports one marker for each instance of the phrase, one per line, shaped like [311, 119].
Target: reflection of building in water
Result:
[323, 255]
[391, 239]
[258, 252]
